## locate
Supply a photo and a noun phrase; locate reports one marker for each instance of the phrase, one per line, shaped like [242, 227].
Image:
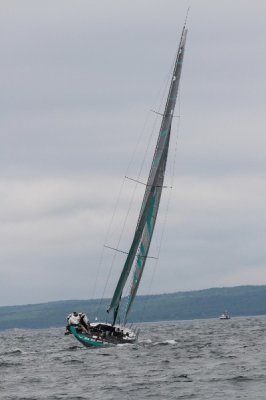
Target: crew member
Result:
[84, 321]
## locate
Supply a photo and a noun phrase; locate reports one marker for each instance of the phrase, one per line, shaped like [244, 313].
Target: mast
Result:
[143, 235]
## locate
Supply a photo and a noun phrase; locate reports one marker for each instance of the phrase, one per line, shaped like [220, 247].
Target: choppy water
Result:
[203, 359]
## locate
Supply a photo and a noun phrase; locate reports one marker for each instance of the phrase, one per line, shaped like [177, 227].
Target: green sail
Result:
[142, 238]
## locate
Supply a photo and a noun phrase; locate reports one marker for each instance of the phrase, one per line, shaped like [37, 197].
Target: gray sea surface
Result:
[200, 359]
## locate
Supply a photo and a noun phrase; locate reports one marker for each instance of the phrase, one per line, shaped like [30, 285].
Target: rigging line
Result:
[164, 115]
[132, 197]
[187, 16]
[162, 96]
[169, 76]
[162, 101]
[125, 221]
[145, 184]
[127, 214]
[134, 180]
[169, 198]
[134, 191]
[119, 196]
[138, 143]
[106, 237]
[135, 187]
[152, 133]
[155, 120]
[112, 248]
[130, 205]
[118, 243]
[140, 171]
[125, 252]
[166, 212]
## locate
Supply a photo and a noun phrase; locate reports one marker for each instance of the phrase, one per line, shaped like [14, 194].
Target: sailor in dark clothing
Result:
[84, 321]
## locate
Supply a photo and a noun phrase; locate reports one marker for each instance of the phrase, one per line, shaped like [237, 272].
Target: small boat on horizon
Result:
[225, 315]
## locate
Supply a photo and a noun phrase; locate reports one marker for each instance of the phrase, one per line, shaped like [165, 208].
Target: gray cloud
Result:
[77, 82]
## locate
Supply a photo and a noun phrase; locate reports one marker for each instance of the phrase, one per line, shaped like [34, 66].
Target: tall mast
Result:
[142, 238]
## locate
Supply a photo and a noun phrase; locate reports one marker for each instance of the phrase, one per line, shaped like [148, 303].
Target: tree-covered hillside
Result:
[209, 303]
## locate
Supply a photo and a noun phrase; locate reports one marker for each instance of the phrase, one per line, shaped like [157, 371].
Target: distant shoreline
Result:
[196, 304]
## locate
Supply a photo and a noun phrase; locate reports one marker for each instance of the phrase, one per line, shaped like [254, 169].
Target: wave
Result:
[240, 378]
[7, 364]
[165, 343]
[11, 352]
[70, 362]
[145, 341]
[124, 344]
[72, 348]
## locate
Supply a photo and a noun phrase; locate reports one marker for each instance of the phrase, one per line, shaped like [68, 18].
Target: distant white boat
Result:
[225, 315]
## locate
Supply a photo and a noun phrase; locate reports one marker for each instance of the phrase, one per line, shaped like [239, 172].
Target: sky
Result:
[78, 80]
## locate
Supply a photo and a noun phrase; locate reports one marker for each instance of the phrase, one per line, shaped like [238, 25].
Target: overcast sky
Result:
[77, 81]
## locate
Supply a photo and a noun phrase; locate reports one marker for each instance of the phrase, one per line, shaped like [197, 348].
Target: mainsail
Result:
[143, 235]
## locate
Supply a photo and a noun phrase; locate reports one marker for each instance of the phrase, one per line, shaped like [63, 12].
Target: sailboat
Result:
[100, 334]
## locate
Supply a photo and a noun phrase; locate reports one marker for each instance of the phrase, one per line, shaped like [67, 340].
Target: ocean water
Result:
[200, 359]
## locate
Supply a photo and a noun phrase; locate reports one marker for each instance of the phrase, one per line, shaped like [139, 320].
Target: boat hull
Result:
[103, 334]
[85, 339]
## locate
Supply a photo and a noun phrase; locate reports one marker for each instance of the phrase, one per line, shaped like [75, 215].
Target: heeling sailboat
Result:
[98, 334]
